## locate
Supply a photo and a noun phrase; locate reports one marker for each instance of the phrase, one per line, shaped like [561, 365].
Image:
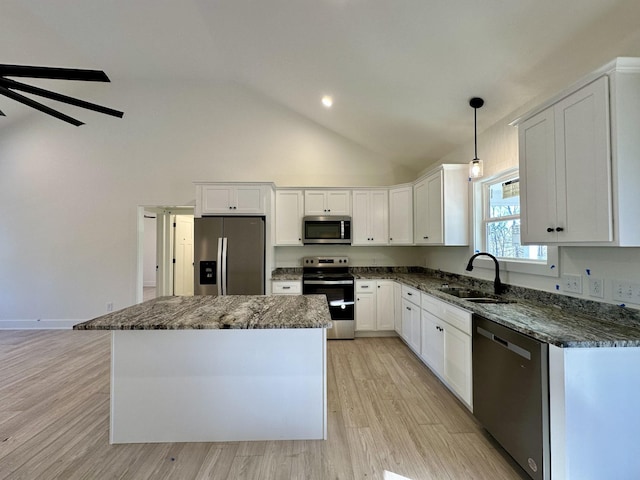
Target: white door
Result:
[183, 255]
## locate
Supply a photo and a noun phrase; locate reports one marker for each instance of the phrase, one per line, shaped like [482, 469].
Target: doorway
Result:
[173, 251]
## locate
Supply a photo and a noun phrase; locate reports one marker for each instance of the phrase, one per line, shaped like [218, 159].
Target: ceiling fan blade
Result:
[38, 106]
[59, 97]
[55, 73]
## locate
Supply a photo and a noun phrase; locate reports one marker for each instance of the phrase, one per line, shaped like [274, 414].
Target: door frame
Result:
[164, 247]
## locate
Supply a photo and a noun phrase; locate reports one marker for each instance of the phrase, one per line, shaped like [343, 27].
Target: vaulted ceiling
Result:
[400, 72]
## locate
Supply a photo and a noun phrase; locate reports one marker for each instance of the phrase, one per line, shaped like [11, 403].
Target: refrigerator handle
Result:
[224, 265]
[219, 267]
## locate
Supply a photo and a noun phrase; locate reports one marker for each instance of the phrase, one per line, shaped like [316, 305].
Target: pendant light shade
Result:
[475, 165]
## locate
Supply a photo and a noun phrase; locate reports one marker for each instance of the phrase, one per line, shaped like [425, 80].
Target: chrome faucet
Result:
[498, 288]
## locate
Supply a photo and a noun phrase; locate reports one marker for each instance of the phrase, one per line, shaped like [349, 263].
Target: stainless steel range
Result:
[330, 276]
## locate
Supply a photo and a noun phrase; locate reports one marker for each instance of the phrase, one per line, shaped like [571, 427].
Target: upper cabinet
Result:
[289, 213]
[370, 222]
[441, 207]
[579, 169]
[565, 170]
[401, 215]
[231, 199]
[327, 202]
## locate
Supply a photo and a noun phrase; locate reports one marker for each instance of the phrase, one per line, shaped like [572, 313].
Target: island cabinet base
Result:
[218, 385]
[594, 413]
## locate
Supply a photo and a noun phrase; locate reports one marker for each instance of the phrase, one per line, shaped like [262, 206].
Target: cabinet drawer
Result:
[459, 318]
[456, 317]
[289, 287]
[411, 294]
[364, 286]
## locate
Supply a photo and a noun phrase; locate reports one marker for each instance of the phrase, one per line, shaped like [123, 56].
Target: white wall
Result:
[69, 196]
[498, 148]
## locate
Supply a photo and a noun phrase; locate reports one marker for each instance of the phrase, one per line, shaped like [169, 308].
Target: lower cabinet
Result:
[286, 287]
[375, 305]
[397, 303]
[446, 345]
[411, 318]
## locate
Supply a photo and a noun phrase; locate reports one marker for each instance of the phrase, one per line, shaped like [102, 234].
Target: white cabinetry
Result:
[286, 287]
[441, 207]
[401, 215]
[289, 213]
[411, 318]
[327, 202]
[446, 344]
[385, 305]
[370, 222]
[565, 170]
[231, 199]
[397, 300]
[579, 164]
[365, 305]
[375, 308]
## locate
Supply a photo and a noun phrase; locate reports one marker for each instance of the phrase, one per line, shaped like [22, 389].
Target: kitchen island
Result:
[214, 369]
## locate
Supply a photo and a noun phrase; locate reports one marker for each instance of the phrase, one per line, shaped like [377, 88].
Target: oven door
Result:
[340, 297]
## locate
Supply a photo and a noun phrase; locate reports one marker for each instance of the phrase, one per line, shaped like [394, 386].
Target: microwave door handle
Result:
[342, 229]
[219, 267]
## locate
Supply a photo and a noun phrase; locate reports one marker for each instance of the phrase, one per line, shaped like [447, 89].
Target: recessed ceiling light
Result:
[327, 101]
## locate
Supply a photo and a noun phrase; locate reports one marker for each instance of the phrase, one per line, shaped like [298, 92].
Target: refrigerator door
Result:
[245, 255]
[207, 273]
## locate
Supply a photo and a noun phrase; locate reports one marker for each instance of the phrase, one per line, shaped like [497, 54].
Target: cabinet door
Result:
[397, 299]
[289, 213]
[433, 342]
[360, 221]
[365, 311]
[401, 216]
[338, 202]
[379, 217]
[536, 146]
[411, 325]
[428, 206]
[314, 202]
[457, 362]
[583, 165]
[249, 199]
[385, 308]
[217, 199]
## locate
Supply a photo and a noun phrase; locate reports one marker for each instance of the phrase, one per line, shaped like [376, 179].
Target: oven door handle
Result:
[327, 282]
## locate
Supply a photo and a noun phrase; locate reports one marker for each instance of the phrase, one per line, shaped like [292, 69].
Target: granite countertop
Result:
[555, 319]
[210, 312]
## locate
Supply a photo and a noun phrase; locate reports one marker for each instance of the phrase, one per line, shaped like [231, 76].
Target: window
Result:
[497, 228]
[501, 220]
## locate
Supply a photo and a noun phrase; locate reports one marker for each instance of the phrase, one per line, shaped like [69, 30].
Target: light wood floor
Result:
[387, 412]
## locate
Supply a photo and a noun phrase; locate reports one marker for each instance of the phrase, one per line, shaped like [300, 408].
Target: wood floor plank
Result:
[386, 412]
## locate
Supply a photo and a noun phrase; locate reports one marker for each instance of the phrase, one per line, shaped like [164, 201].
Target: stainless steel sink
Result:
[475, 296]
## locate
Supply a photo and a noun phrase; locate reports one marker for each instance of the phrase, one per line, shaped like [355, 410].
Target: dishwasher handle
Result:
[509, 345]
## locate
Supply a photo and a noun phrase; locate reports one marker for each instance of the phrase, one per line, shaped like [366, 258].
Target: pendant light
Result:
[475, 165]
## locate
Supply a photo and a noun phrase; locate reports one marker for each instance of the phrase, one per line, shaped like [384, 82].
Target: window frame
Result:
[550, 268]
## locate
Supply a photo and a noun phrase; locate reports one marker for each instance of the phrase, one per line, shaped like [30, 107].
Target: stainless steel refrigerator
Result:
[228, 256]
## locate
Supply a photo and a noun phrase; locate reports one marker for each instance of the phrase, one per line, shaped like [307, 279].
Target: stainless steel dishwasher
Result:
[511, 393]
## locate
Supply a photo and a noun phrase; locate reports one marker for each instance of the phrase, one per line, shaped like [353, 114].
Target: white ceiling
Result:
[401, 72]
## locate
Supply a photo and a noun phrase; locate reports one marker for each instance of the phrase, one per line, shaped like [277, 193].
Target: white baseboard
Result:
[38, 324]
[375, 333]
[148, 284]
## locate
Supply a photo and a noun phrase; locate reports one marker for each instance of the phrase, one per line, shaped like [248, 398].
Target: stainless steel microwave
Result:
[326, 230]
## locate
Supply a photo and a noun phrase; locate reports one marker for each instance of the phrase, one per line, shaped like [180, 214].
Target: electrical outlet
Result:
[627, 292]
[572, 283]
[109, 307]
[596, 287]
